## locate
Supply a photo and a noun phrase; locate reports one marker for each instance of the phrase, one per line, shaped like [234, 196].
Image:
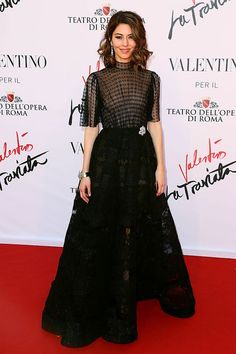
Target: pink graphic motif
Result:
[194, 1]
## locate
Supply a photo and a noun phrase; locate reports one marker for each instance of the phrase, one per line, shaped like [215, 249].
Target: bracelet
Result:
[83, 174]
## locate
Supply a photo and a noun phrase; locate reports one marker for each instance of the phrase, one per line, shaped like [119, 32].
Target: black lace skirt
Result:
[119, 248]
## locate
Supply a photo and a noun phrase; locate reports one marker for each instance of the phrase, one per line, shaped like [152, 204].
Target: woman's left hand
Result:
[160, 181]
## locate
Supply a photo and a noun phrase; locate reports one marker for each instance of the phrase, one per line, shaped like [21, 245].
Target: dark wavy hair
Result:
[140, 54]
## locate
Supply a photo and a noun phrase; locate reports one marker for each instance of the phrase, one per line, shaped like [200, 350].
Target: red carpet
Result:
[27, 271]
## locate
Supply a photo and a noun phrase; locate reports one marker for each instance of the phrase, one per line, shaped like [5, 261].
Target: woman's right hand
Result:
[85, 188]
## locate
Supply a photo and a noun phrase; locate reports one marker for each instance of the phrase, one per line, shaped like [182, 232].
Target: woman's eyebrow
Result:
[122, 34]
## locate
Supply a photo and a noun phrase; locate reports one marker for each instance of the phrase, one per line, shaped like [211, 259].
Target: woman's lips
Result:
[125, 51]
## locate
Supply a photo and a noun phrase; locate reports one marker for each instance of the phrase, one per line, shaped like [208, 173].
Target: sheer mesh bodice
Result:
[121, 96]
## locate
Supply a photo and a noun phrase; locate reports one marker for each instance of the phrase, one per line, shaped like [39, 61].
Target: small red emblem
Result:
[10, 96]
[106, 10]
[206, 102]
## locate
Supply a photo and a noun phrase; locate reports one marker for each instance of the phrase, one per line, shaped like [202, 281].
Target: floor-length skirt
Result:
[119, 248]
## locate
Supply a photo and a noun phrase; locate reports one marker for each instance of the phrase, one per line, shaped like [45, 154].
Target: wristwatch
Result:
[83, 174]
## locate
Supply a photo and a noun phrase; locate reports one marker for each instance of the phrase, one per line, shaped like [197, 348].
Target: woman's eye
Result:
[120, 37]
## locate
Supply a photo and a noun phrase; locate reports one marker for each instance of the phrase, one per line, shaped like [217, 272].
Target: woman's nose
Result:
[125, 41]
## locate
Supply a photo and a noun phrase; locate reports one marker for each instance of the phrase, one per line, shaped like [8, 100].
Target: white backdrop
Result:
[47, 51]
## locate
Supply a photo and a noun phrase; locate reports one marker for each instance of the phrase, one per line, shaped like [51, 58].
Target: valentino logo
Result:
[19, 147]
[203, 64]
[207, 157]
[23, 61]
[8, 3]
[212, 177]
[192, 14]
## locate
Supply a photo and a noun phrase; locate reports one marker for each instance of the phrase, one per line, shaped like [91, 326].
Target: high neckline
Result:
[122, 65]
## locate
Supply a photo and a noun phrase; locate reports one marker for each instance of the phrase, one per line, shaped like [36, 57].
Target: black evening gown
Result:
[122, 246]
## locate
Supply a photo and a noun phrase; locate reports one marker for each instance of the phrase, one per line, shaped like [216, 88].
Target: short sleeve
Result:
[155, 98]
[90, 112]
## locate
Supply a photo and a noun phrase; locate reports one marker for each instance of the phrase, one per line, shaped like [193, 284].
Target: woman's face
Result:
[123, 43]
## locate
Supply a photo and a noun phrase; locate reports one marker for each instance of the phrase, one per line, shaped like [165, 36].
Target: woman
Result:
[121, 245]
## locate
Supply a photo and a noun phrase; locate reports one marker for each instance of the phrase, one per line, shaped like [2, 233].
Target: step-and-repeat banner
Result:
[48, 48]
